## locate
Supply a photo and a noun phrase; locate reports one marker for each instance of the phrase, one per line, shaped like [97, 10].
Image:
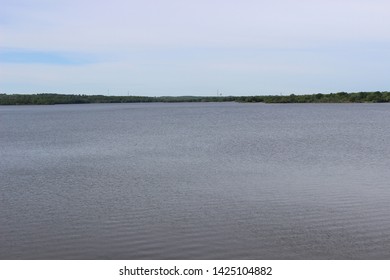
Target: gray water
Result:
[195, 181]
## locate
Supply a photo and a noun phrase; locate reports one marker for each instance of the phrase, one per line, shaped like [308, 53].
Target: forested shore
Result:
[53, 98]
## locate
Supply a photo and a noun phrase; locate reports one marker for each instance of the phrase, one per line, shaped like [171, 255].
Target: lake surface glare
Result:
[195, 181]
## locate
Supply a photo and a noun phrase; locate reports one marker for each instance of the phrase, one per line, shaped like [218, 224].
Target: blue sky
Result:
[187, 47]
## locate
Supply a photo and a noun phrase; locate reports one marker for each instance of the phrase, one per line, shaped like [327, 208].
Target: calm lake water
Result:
[195, 181]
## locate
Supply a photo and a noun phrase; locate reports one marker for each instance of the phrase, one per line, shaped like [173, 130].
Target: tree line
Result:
[53, 98]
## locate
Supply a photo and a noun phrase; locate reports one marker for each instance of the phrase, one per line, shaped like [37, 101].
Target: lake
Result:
[195, 181]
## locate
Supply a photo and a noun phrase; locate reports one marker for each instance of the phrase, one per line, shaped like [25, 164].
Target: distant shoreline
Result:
[53, 98]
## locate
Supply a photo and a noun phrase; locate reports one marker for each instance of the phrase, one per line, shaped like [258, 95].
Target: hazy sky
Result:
[194, 47]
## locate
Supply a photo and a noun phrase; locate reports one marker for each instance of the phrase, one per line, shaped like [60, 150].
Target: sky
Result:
[194, 47]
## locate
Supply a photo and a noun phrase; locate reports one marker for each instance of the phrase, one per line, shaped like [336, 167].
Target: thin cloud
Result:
[155, 47]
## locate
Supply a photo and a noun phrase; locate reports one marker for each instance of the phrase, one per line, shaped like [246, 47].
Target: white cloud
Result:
[97, 25]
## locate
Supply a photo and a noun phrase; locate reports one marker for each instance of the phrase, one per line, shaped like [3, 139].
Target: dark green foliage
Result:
[52, 98]
[340, 97]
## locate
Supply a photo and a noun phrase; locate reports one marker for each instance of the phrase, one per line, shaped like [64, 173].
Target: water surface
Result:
[195, 181]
